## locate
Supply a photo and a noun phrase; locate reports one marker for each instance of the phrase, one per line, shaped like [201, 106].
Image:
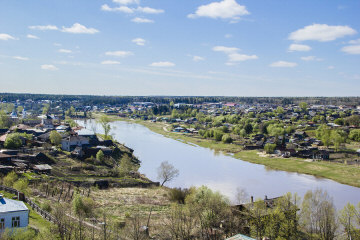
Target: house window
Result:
[15, 222]
[2, 223]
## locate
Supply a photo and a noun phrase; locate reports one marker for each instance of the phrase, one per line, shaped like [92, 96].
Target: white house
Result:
[13, 214]
[71, 142]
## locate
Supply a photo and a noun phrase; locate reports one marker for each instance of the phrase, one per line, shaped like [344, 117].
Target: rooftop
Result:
[9, 205]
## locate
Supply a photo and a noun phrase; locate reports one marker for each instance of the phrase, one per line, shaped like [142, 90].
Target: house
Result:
[13, 214]
[43, 168]
[47, 121]
[71, 142]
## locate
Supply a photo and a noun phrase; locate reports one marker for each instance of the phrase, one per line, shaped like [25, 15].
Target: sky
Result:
[180, 47]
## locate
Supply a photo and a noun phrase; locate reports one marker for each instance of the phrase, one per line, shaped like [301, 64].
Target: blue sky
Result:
[188, 47]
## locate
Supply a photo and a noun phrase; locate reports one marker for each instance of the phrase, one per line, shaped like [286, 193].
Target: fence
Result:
[46, 215]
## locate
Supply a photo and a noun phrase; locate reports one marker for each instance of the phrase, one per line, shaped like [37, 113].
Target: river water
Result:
[201, 166]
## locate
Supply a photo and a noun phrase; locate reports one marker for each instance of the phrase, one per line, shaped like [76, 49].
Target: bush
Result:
[83, 205]
[10, 179]
[227, 139]
[46, 206]
[13, 141]
[178, 195]
[270, 148]
[218, 135]
[55, 138]
[355, 135]
[21, 185]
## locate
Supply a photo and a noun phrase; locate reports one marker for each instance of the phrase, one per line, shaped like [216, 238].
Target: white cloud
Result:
[32, 36]
[77, 28]
[44, 27]
[236, 57]
[311, 58]
[142, 20]
[226, 9]
[149, 10]
[119, 53]
[20, 58]
[5, 37]
[228, 36]
[330, 67]
[109, 62]
[126, 2]
[321, 32]
[352, 49]
[139, 41]
[123, 9]
[233, 55]
[198, 58]
[64, 51]
[357, 41]
[299, 47]
[283, 64]
[227, 50]
[49, 67]
[57, 44]
[162, 64]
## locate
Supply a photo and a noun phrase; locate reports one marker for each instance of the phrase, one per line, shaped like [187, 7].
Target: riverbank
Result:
[342, 173]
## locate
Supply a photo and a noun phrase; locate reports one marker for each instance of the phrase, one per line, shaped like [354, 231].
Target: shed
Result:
[44, 168]
[13, 214]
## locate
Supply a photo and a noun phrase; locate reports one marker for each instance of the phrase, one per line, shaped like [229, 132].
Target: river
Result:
[202, 166]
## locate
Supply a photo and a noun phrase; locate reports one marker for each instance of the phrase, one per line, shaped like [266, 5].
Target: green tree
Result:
[347, 217]
[269, 148]
[4, 120]
[355, 135]
[10, 179]
[303, 106]
[13, 141]
[218, 135]
[100, 156]
[55, 138]
[105, 124]
[22, 185]
[227, 139]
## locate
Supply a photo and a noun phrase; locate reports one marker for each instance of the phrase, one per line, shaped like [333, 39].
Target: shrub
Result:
[21, 185]
[13, 141]
[83, 205]
[355, 135]
[46, 206]
[270, 148]
[227, 139]
[10, 179]
[178, 195]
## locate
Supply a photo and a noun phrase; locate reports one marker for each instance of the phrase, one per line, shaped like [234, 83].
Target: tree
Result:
[105, 124]
[303, 106]
[355, 135]
[55, 138]
[13, 141]
[100, 156]
[167, 172]
[4, 120]
[227, 139]
[347, 217]
[10, 179]
[318, 216]
[269, 148]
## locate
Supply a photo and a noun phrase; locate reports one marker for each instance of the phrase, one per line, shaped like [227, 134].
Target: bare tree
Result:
[167, 172]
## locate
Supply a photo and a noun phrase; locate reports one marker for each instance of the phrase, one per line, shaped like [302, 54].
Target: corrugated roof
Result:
[240, 237]
[9, 205]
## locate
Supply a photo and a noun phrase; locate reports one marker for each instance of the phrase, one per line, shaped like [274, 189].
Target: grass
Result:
[342, 173]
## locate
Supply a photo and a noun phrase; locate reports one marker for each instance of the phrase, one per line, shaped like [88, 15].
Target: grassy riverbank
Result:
[342, 173]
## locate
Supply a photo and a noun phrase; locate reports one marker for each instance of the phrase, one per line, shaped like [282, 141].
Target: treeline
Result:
[118, 100]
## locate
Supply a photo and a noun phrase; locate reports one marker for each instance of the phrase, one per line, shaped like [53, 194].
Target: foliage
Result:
[13, 141]
[10, 179]
[100, 156]
[166, 172]
[105, 124]
[83, 205]
[21, 185]
[355, 135]
[227, 139]
[178, 195]
[269, 148]
[55, 138]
